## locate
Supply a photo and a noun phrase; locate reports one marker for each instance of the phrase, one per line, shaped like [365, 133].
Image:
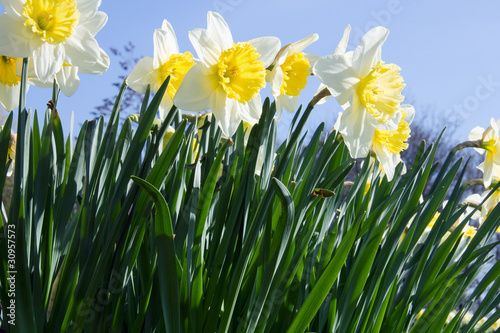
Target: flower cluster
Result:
[58, 35]
[227, 78]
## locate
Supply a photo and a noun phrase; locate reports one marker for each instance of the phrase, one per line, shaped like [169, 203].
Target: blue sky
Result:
[448, 50]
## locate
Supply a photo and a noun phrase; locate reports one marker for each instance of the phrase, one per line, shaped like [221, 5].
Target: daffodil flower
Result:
[10, 82]
[289, 72]
[369, 87]
[52, 32]
[229, 76]
[387, 145]
[489, 141]
[167, 61]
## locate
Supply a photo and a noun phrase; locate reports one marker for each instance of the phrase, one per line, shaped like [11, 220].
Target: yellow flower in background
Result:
[489, 140]
[52, 32]
[289, 72]
[388, 144]
[10, 82]
[229, 76]
[167, 61]
[369, 89]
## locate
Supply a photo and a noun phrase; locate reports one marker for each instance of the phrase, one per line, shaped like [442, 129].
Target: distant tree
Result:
[131, 100]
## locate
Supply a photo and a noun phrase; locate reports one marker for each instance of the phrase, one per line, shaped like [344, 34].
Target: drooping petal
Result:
[276, 79]
[288, 103]
[194, 93]
[487, 167]
[15, 38]
[267, 47]
[300, 45]
[410, 112]
[165, 106]
[68, 80]
[9, 97]
[369, 50]
[95, 23]
[356, 131]
[82, 49]
[165, 44]
[387, 160]
[48, 60]
[142, 75]
[253, 110]
[342, 46]
[218, 31]
[227, 111]
[336, 72]
[204, 46]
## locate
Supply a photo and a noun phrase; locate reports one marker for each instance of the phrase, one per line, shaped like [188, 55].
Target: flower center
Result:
[240, 74]
[177, 66]
[54, 21]
[380, 91]
[8, 75]
[295, 73]
[394, 141]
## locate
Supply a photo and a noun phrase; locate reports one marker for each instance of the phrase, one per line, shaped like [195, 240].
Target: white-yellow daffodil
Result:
[387, 145]
[229, 76]
[368, 88]
[289, 72]
[67, 78]
[10, 82]
[167, 61]
[52, 32]
[489, 141]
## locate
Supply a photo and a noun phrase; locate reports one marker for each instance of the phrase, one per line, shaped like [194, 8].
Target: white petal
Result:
[252, 111]
[95, 23]
[87, 8]
[387, 160]
[3, 116]
[227, 111]
[68, 80]
[218, 31]
[205, 47]
[15, 39]
[290, 103]
[99, 67]
[13, 7]
[391, 125]
[82, 49]
[342, 47]
[368, 53]
[312, 58]
[300, 45]
[487, 166]
[410, 112]
[165, 106]
[335, 71]
[276, 79]
[48, 60]
[194, 93]
[142, 75]
[356, 131]
[165, 44]
[267, 47]
[476, 133]
[9, 98]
